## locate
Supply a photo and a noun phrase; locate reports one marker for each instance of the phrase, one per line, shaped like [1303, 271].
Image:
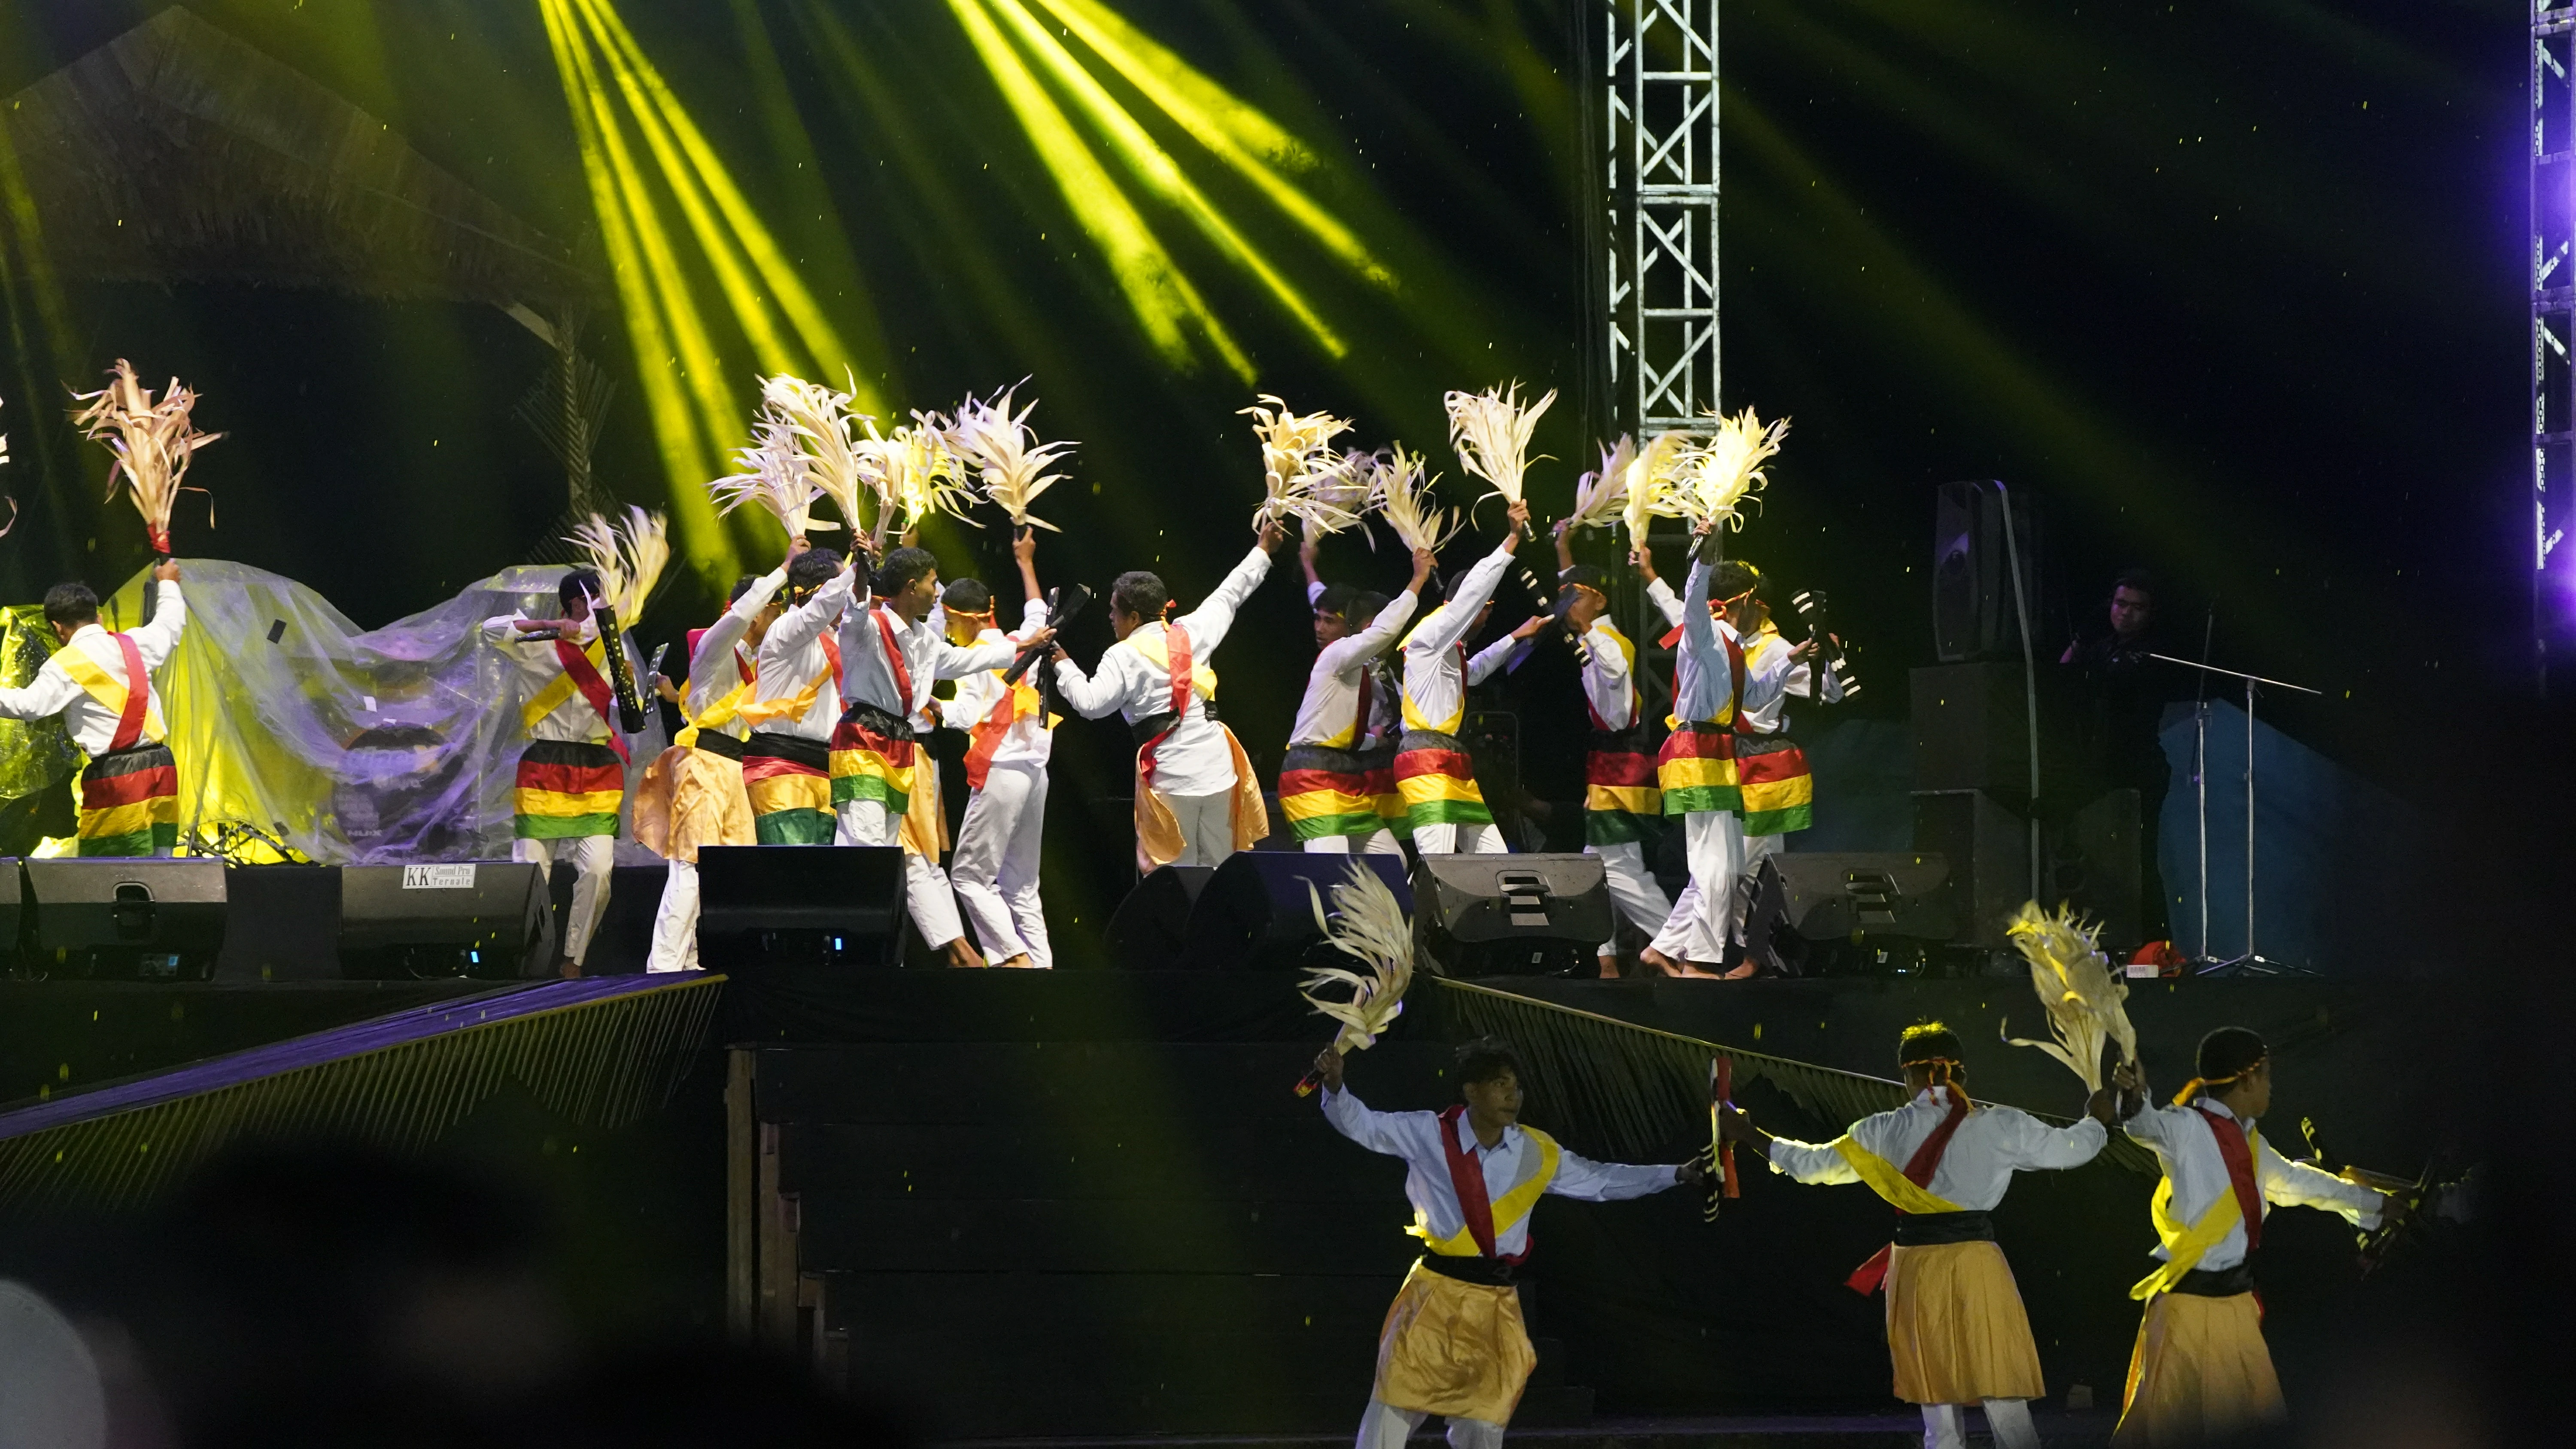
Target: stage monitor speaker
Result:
[1847, 912]
[126, 919]
[1257, 912]
[1512, 915]
[799, 905]
[2091, 861]
[487, 918]
[1145, 931]
[1974, 613]
[1988, 850]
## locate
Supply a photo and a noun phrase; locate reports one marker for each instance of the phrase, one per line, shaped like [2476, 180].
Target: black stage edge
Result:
[1090, 1203]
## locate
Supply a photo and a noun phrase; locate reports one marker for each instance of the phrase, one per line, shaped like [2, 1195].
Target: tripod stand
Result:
[2252, 962]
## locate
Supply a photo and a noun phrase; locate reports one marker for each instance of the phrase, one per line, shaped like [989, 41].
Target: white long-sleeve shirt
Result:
[539, 666]
[2187, 1147]
[54, 692]
[1028, 741]
[792, 656]
[1770, 715]
[715, 669]
[1435, 680]
[1327, 715]
[1704, 676]
[1975, 1171]
[1415, 1137]
[1193, 759]
[928, 657]
[1610, 675]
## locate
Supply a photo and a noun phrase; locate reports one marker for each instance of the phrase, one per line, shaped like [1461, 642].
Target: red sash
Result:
[1918, 1171]
[2230, 1135]
[1467, 1179]
[1360, 715]
[138, 693]
[1176, 653]
[594, 689]
[987, 736]
[894, 662]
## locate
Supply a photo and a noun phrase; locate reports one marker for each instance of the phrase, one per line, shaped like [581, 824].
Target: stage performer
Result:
[1453, 1343]
[1622, 805]
[572, 775]
[1197, 800]
[693, 795]
[1778, 791]
[101, 684]
[1955, 1324]
[1338, 768]
[1010, 738]
[892, 651]
[2200, 1371]
[1444, 809]
[795, 702]
[1712, 686]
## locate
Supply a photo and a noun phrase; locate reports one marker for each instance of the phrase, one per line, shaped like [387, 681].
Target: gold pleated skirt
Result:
[1956, 1328]
[1454, 1349]
[690, 798]
[2201, 1372]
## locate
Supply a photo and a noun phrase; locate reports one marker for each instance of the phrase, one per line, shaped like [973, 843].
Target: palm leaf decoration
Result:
[1406, 501]
[1369, 924]
[826, 429]
[1341, 496]
[630, 552]
[776, 474]
[153, 441]
[1491, 430]
[1296, 458]
[1009, 461]
[1600, 497]
[2084, 998]
[917, 472]
[1712, 480]
[1649, 493]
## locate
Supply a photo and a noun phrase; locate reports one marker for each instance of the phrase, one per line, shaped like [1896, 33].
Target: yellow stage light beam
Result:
[822, 342]
[1153, 165]
[1232, 130]
[625, 220]
[1157, 291]
[750, 310]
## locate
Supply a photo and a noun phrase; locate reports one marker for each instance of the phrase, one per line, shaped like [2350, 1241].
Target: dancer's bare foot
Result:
[962, 953]
[1021, 962]
[1671, 967]
[1609, 967]
[569, 969]
[1744, 971]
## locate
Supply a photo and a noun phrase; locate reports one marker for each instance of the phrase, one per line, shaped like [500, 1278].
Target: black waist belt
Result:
[717, 742]
[2223, 1283]
[795, 749]
[1155, 724]
[1931, 1230]
[1478, 1269]
[877, 721]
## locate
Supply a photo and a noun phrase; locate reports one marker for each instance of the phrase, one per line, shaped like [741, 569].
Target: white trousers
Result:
[590, 857]
[1385, 1426]
[2009, 1418]
[675, 925]
[1207, 826]
[1382, 841]
[926, 896]
[1632, 888]
[1757, 849]
[995, 865]
[1454, 839]
[1713, 842]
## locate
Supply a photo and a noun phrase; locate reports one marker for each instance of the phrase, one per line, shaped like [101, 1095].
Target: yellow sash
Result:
[1508, 1209]
[1158, 653]
[110, 693]
[718, 715]
[2184, 1247]
[1888, 1182]
[791, 708]
[551, 698]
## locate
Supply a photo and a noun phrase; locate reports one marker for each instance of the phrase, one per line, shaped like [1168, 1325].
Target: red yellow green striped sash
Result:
[789, 783]
[1324, 792]
[566, 789]
[130, 802]
[871, 763]
[1437, 780]
[1697, 770]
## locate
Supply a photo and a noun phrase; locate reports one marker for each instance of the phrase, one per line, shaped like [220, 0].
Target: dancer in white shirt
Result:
[101, 684]
[1443, 807]
[1338, 768]
[1454, 1344]
[1009, 741]
[1197, 800]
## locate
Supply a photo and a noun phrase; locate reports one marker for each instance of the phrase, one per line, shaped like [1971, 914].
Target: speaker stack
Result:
[1512, 915]
[787, 905]
[121, 919]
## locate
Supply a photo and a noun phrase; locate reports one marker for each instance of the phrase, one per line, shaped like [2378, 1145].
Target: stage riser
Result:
[895, 1161]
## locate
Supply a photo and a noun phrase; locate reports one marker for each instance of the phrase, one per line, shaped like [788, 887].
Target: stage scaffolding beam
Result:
[1661, 168]
[2553, 332]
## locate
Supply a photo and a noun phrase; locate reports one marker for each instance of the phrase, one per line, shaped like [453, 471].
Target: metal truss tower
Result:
[2553, 331]
[1661, 170]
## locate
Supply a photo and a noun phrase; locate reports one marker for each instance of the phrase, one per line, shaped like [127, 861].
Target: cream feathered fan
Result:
[1343, 493]
[1603, 496]
[1296, 459]
[630, 553]
[1406, 502]
[916, 470]
[1009, 461]
[2078, 988]
[1713, 479]
[1369, 924]
[1490, 432]
[1649, 493]
[827, 431]
[153, 441]
[776, 475]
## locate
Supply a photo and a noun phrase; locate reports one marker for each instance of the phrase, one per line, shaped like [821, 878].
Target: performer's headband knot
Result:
[2197, 1085]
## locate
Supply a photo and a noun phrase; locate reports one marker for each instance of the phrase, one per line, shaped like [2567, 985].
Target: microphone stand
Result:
[2252, 962]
